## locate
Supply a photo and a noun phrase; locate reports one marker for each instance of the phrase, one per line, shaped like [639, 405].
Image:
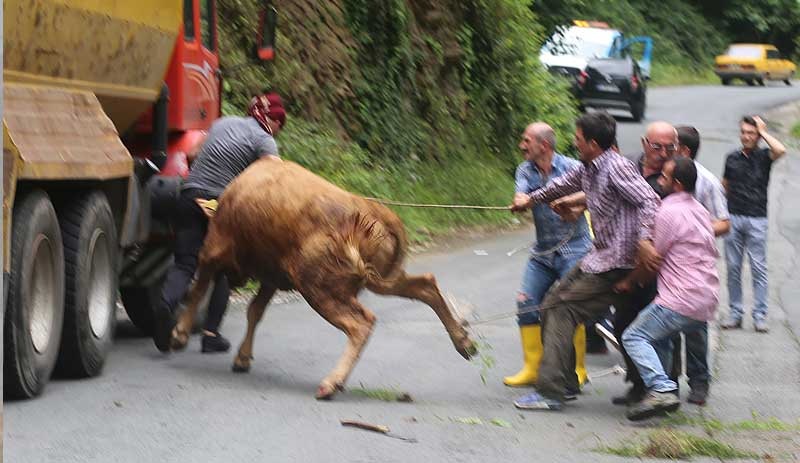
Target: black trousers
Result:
[191, 228]
[641, 298]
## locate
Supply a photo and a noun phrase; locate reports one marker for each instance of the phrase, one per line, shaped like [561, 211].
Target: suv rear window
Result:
[744, 51]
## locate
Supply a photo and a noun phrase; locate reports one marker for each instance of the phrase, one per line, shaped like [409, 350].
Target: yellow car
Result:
[753, 62]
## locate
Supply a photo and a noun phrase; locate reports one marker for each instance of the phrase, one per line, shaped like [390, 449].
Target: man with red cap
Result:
[232, 144]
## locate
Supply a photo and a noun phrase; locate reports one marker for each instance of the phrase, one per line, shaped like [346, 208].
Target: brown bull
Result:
[290, 229]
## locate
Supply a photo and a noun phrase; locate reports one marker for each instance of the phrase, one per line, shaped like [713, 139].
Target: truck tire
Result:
[726, 81]
[788, 80]
[91, 252]
[638, 108]
[35, 306]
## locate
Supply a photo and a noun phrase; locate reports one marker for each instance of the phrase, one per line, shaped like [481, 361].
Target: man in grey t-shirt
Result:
[232, 144]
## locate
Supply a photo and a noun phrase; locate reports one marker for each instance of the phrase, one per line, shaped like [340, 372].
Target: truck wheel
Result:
[750, 82]
[788, 80]
[726, 81]
[35, 306]
[90, 269]
[760, 81]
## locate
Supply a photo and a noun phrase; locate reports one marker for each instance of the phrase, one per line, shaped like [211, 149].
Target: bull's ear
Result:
[265, 37]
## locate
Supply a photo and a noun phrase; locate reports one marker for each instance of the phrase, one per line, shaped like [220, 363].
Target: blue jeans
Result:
[653, 324]
[747, 234]
[540, 274]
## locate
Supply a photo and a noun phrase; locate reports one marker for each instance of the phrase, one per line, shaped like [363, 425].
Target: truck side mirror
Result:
[265, 40]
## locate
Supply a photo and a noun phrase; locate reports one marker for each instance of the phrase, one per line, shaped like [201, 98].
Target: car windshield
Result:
[744, 51]
[576, 42]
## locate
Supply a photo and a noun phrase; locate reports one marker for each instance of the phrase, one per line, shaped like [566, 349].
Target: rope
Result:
[441, 206]
[535, 253]
[501, 316]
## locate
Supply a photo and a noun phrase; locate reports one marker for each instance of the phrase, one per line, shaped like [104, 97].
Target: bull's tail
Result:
[361, 234]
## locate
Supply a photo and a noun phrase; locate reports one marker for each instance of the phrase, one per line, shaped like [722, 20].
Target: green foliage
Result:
[677, 74]
[796, 130]
[389, 99]
[769, 21]
[711, 424]
[667, 443]
[423, 101]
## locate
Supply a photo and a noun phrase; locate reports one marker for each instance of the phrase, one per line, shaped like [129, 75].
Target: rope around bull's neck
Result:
[441, 206]
[549, 251]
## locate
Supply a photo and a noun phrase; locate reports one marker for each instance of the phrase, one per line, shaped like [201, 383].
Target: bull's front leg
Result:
[241, 364]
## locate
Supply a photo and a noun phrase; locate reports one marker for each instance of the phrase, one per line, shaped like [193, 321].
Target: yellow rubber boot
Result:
[580, 354]
[532, 354]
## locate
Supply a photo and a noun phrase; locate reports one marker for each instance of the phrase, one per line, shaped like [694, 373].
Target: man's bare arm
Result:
[776, 148]
[721, 227]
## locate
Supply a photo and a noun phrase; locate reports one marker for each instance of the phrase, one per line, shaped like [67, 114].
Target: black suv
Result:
[616, 83]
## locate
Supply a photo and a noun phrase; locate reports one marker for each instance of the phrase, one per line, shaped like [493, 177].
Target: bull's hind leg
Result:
[424, 288]
[255, 311]
[356, 321]
[180, 334]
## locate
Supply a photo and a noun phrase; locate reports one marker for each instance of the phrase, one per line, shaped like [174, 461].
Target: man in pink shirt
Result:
[688, 285]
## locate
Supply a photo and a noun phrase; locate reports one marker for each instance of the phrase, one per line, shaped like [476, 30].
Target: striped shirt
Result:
[622, 205]
[550, 228]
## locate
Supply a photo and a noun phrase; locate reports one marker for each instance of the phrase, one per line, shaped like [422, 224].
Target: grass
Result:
[711, 424]
[796, 130]
[484, 359]
[664, 74]
[385, 395]
[669, 443]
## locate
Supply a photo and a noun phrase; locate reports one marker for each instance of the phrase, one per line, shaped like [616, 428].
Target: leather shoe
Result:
[731, 324]
[634, 395]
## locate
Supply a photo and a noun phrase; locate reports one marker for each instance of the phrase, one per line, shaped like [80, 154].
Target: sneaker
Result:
[571, 394]
[761, 326]
[731, 324]
[698, 394]
[606, 329]
[164, 323]
[216, 343]
[634, 395]
[654, 404]
[536, 401]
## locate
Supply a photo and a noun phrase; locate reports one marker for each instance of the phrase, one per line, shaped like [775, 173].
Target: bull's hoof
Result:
[467, 349]
[178, 340]
[326, 391]
[240, 367]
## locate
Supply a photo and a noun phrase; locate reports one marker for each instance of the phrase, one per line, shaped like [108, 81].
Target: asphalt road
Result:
[190, 407]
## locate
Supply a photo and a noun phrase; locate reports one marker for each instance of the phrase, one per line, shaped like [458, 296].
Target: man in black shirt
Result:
[746, 179]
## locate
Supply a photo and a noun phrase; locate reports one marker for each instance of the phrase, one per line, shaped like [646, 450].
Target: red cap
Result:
[267, 106]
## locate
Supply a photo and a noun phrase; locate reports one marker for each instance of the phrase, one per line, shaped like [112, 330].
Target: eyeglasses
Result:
[670, 148]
